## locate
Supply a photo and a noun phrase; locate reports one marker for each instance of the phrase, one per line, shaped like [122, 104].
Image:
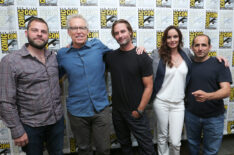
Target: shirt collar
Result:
[24, 51]
[88, 44]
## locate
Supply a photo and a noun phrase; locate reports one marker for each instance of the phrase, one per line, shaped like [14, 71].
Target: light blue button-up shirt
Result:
[85, 71]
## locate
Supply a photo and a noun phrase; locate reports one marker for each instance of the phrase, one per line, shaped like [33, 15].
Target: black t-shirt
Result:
[127, 70]
[206, 76]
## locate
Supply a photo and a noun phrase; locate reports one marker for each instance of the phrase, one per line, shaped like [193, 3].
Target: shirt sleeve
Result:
[146, 65]
[224, 74]
[61, 70]
[8, 106]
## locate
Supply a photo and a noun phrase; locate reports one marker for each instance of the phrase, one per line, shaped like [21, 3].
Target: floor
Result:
[227, 147]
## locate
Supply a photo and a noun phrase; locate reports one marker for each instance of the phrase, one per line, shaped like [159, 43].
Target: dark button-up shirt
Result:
[85, 71]
[29, 91]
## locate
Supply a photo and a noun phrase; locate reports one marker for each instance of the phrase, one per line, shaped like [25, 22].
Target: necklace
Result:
[176, 61]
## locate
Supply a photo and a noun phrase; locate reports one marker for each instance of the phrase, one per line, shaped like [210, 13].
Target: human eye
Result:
[82, 28]
[73, 28]
[44, 32]
[196, 45]
[34, 30]
[123, 31]
[116, 33]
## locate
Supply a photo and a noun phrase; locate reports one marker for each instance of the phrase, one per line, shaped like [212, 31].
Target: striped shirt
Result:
[29, 91]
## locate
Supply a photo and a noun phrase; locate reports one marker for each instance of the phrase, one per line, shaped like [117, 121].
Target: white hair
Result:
[76, 16]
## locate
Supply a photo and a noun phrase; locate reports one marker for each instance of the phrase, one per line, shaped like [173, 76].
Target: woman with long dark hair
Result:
[171, 66]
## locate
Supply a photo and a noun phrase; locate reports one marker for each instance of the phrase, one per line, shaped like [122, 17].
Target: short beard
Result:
[32, 43]
[124, 43]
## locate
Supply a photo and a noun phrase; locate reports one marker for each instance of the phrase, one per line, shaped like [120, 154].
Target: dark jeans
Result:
[124, 124]
[212, 129]
[51, 134]
[94, 129]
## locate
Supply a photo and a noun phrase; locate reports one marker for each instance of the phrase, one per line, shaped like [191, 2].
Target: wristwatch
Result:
[140, 112]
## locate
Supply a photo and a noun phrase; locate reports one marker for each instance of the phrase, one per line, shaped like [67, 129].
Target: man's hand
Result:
[201, 96]
[140, 50]
[135, 114]
[21, 141]
[221, 58]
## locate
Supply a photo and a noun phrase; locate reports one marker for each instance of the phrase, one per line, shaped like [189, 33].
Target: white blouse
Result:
[173, 86]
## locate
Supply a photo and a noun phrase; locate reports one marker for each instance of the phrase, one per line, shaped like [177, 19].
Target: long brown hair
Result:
[164, 50]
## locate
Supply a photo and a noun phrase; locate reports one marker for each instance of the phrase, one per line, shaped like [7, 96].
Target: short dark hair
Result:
[129, 27]
[209, 41]
[38, 20]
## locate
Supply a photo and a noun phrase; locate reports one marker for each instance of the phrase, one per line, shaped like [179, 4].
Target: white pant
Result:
[170, 120]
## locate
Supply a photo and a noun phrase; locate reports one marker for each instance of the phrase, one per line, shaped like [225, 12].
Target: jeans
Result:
[170, 121]
[51, 134]
[94, 129]
[212, 129]
[124, 123]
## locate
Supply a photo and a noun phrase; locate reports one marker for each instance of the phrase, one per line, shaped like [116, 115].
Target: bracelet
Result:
[140, 112]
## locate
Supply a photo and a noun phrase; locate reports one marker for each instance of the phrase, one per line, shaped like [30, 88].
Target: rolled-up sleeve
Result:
[8, 107]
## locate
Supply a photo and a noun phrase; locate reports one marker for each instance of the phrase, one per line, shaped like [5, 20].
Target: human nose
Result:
[120, 35]
[199, 47]
[39, 33]
[78, 30]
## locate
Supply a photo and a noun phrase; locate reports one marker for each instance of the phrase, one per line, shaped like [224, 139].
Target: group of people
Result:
[180, 85]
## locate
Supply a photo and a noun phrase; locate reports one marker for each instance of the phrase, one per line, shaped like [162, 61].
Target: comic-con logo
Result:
[233, 61]
[192, 35]
[88, 2]
[197, 4]
[64, 13]
[6, 2]
[180, 19]
[230, 127]
[9, 42]
[93, 34]
[225, 39]
[134, 38]
[159, 39]
[146, 18]
[211, 20]
[48, 2]
[231, 97]
[72, 145]
[163, 3]
[108, 17]
[212, 53]
[5, 147]
[127, 2]
[25, 15]
[53, 42]
[226, 4]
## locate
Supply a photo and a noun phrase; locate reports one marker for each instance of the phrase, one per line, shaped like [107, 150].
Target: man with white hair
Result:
[87, 101]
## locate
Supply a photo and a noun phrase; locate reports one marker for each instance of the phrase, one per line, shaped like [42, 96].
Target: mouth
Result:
[79, 37]
[200, 53]
[39, 39]
[121, 40]
[173, 44]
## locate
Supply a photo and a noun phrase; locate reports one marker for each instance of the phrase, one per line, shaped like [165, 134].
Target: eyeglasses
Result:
[81, 28]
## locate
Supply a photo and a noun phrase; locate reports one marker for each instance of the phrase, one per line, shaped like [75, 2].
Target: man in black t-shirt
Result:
[132, 83]
[209, 84]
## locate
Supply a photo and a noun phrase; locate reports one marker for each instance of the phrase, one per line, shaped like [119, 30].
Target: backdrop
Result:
[148, 18]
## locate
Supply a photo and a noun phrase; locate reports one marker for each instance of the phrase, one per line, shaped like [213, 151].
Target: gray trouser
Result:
[92, 130]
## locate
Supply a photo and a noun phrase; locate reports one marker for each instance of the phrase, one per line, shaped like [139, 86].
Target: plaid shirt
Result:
[29, 91]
